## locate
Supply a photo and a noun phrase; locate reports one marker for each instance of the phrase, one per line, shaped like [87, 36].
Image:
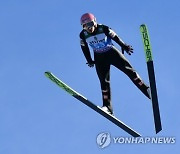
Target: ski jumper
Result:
[105, 55]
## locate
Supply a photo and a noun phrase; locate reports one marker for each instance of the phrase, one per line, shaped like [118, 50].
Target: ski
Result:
[151, 74]
[84, 100]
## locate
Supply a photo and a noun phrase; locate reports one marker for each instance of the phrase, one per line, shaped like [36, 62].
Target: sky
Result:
[37, 117]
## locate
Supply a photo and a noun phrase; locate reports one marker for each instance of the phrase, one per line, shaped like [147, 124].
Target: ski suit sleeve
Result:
[85, 49]
[109, 32]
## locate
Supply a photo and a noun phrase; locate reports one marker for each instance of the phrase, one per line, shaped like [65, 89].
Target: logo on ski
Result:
[63, 86]
[147, 46]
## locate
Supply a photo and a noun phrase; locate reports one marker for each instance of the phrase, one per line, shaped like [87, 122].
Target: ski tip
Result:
[47, 73]
[142, 25]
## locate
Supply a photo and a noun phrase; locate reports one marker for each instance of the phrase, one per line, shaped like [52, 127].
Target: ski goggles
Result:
[88, 25]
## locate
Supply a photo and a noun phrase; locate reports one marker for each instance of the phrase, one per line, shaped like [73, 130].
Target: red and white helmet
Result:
[87, 17]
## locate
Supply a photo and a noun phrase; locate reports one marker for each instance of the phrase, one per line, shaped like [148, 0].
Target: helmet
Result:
[87, 17]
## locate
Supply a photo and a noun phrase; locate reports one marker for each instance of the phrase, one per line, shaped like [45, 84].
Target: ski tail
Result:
[151, 74]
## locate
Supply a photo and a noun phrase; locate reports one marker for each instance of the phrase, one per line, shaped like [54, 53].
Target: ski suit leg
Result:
[123, 64]
[103, 72]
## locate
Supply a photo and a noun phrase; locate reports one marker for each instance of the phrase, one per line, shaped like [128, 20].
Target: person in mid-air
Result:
[100, 37]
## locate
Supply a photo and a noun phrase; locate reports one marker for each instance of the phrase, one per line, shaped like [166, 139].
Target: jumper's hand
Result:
[128, 49]
[91, 64]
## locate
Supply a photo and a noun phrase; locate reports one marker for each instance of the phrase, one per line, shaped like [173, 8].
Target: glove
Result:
[91, 64]
[127, 48]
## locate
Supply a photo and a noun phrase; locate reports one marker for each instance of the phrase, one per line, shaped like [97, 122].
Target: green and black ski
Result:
[91, 105]
[150, 67]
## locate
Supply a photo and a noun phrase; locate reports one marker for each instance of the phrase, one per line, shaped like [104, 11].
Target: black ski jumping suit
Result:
[105, 55]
